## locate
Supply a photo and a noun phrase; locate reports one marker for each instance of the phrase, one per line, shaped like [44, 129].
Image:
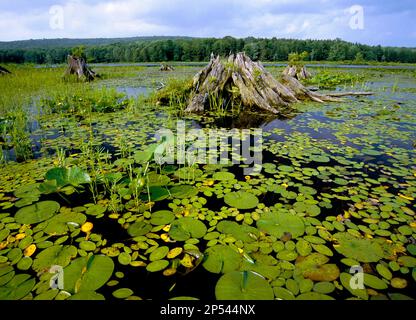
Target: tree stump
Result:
[165, 67]
[4, 71]
[298, 72]
[243, 82]
[78, 66]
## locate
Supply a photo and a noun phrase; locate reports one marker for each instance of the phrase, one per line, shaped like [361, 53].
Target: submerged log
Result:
[4, 71]
[245, 83]
[298, 72]
[78, 66]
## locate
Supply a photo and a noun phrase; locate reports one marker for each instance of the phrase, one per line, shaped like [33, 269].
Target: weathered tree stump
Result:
[165, 67]
[298, 72]
[78, 66]
[240, 81]
[4, 71]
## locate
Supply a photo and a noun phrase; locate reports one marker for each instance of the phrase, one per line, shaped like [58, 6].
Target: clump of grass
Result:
[102, 100]
[330, 79]
[175, 91]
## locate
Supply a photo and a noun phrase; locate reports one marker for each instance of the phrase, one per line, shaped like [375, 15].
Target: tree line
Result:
[200, 49]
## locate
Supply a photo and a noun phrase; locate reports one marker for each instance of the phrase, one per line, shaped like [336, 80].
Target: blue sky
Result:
[385, 22]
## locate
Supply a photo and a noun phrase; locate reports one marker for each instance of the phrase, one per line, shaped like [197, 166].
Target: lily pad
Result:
[315, 267]
[56, 255]
[17, 288]
[87, 296]
[37, 212]
[123, 293]
[162, 217]
[88, 273]
[221, 259]
[363, 250]
[185, 228]
[68, 176]
[159, 253]
[223, 176]
[158, 265]
[241, 200]
[139, 228]
[279, 223]
[59, 224]
[183, 191]
[243, 285]
[239, 231]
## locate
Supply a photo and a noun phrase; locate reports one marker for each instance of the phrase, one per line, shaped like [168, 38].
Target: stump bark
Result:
[78, 66]
[298, 72]
[165, 67]
[4, 71]
[239, 80]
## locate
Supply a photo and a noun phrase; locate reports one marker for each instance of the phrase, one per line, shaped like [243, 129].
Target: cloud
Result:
[386, 24]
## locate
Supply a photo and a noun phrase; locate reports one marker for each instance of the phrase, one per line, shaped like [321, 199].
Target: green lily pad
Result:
[188, 173]
[88, 273]
[162, 217]
[324, 287]
[313, 296]
[223, 176]
[156, 194]
[56, 255]
[124, 258]
[139, 228]
[243, 285]
[96, 210]
[241, 200]
[407, 261]
[17, 288]
[58, 225]
[363, 250]
[122, 293]
[384, 271]
[25, 263]
[221, 259]
[87, 296]
[157, 180]
[374, 282]
[240, 232]
[346, 283]
[278, 223]
[37, 212]
[158, 265]
[183, 191]
[68, 176]
[159, 253]
[185, 228]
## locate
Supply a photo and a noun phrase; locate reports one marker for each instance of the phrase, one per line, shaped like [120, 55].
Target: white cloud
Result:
[216, 18]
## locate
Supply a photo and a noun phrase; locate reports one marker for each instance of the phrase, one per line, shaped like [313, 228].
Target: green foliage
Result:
[103, 100]
[175, 94]
[79, 52]
[160, 49]
[331, 79]
[297, 59]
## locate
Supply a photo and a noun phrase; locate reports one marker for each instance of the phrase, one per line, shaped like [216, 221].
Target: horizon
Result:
[189, 37]
[366, 22]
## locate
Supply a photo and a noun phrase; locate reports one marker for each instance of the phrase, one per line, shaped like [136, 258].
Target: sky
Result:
[374, 22]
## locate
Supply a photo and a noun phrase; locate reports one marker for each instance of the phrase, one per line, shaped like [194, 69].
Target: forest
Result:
[157, 49]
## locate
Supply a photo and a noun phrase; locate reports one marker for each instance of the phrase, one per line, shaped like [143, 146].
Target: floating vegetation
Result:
[336, 191]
